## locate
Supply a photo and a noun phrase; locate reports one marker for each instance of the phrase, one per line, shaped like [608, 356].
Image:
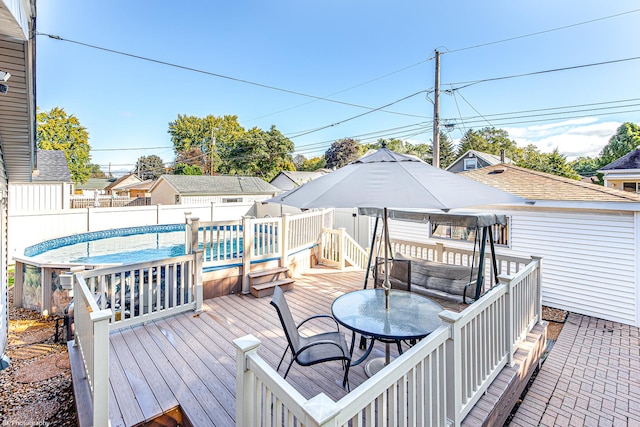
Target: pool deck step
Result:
[263, 282]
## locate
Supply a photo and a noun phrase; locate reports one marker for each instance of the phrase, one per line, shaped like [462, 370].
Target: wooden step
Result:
[262, 273]
[266, 289]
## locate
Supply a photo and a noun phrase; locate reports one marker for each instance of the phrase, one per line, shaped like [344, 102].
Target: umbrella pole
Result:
[387, 285]
[373, 242]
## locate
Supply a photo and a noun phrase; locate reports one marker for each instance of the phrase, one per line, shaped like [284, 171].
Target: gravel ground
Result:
[35, 390]
[556, 319]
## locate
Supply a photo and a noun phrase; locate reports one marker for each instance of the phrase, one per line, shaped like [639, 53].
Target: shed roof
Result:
[95, 184]
[536, 185]
[301, 177]
[631, 160]
[52, 166]
[218, 185]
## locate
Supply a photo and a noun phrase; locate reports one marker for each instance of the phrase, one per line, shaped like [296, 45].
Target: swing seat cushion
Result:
[439, 280]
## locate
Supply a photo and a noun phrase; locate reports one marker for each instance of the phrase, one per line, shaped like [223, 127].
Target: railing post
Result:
[507, 281]
[341, 247]
[439, 252]
[195, 229]
[245, 381]
[453, 361]
[100, 380]
[285, 222]
[538, 259]
[247, 251]
[187, 232]
[197, 276]
[18, 287]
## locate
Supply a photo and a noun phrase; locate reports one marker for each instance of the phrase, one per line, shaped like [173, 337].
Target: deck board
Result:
[189, 359]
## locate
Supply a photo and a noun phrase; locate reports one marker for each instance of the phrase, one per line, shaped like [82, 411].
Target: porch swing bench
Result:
[429, 278]
[456, 283]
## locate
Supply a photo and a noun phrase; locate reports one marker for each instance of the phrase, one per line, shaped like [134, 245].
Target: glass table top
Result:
[410, 315]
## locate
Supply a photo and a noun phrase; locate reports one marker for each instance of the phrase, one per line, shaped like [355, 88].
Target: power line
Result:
[222, 76]
[574, 67]
[542, 32]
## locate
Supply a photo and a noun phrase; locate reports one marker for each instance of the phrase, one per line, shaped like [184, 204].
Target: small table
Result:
[410, 317]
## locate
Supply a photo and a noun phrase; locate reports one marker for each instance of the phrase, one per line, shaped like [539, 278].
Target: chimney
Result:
[501, 156]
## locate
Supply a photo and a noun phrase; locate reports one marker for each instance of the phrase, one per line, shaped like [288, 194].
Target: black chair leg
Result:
[282, 358]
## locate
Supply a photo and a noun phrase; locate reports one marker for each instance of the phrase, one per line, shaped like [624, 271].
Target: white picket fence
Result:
[436, 382]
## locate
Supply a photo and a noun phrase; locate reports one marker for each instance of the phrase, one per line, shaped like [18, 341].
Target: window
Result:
[470, 164]
[633, 187]
[232, 200]
[454, 232]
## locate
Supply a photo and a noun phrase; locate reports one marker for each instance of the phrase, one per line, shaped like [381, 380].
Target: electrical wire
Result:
[542, 32]
[574, 67]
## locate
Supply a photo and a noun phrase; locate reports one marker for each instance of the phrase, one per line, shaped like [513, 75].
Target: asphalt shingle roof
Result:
[52, 166]
[301, 177]
[536, 185]
[631, 160]
[204, 184]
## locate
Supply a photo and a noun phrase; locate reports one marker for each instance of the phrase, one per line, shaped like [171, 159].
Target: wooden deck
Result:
[188, 360]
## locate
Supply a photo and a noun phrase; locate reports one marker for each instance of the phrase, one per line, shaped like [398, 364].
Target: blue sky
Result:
[366, 53]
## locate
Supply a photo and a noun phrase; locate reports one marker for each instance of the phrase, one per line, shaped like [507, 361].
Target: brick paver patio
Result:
[590, 378]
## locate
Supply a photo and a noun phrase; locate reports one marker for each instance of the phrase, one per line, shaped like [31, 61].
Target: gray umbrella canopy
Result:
[386, 179]
[389, 180]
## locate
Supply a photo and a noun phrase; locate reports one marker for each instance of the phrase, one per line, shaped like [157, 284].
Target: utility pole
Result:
[436, 114]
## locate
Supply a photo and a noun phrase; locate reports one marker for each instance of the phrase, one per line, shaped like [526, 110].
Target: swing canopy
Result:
[460, 219]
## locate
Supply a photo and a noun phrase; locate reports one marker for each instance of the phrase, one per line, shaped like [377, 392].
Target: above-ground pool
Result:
[118, 246]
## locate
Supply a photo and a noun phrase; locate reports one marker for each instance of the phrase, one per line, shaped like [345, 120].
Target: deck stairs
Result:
[263, 282]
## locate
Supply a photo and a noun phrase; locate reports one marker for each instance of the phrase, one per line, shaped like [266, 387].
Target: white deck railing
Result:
[92, 339]
[338, 248]
[436, 382]
[138, 293]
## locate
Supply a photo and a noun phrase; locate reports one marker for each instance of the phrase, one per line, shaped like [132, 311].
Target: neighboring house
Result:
[119, 186]
[199, 189]
[624, 173]
[137, 189]
[588, 236]
[288, 180]
[473, 159]
[51, 167]
[17, 123]
[92, 186]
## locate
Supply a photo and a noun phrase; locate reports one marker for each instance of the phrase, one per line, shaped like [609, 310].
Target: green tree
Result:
[586, 166]
[260, 153]
[210, 135]
[182, 169]
[342, 152]
[627, 138]
[447, 151]
[58, 131]
[313, 164]
[489, 140]
[556, 163]
[95, 171]
[149, 167]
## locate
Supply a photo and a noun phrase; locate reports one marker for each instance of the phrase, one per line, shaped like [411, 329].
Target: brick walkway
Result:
[590, 378]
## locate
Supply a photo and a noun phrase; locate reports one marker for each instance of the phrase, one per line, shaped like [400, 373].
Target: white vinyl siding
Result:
[589, 260]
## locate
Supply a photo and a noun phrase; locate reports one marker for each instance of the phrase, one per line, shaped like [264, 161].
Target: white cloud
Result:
[572, 138]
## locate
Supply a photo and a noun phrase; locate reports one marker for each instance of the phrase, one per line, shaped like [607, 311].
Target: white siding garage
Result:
[589, 260]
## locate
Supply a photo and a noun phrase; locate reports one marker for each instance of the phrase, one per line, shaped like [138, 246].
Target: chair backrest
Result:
[399, 273]
[288, 324]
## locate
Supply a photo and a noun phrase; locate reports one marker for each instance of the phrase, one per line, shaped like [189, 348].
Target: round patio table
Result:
[410, 317]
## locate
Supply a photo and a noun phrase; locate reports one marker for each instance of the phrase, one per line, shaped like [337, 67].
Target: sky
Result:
[325, 70]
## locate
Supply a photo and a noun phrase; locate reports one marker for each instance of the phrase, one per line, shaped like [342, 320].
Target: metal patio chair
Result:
[310, 350]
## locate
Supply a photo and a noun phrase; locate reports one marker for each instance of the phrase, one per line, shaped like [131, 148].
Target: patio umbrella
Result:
[389, 180]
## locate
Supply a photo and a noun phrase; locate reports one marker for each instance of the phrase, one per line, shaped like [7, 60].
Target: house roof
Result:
[94, 184]
[52, 166]
[631, 160]
[144, 185]
[123, 182]
[536, 185]
[218, 185]
[301, 177]
[490, 159]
